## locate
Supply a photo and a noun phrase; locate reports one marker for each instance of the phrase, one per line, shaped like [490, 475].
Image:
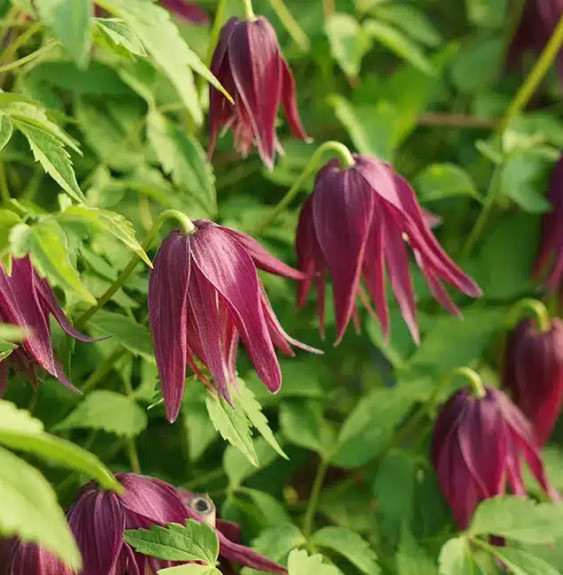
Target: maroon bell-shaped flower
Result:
[355, 225]
[19, 558]
[476, 451]
[550, 254]
[205, 295]
[27, 300]
[533, 372]
[249, 64]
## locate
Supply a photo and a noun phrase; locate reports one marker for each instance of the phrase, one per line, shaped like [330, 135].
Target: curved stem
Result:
[20, 41]
[248, 10]
[346, 159]
[291, 24]
[473, 377]
[314, 498]
[536, 307]
[187, 227]
[30, 57]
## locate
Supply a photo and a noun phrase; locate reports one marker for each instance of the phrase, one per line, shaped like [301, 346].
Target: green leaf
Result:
[486, 13]
[108, 222]
[18, 430]
[8, 220]
[107, 411]
[348, 42]
[232, 424]
[51, 154]
[276, 542]
[245, 398]
[47, 246]
[199, 430]
[119, 37]
[70, 21]
[440, 181]
[237, 466]
[183, 158]
[455, 558]
[190, 569]
[30, 509]
[400, 44]
[350, 545]
[477, 64]
[273, 512]
[132, 335]
[411, 21]
[6, 129]
[412, 559]
[12, 333]
[196, 541]
[518, 519]
[300, 563]
[522, 563]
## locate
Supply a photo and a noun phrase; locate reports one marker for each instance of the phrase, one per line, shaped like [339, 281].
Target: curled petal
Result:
[289, 102]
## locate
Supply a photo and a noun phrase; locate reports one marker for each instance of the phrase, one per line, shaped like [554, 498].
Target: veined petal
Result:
[289, 101]
[167, 304]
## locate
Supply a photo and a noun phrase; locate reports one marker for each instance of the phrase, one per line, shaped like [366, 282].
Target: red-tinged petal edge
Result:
[289, 101]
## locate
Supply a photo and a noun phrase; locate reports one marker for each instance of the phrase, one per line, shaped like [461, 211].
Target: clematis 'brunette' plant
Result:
[27, 300]
[205, 294]
[249, 64]
[476, 449]
[533, 372]
[355, 225]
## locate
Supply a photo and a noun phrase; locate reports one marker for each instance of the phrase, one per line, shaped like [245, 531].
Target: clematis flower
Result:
[355, 225]
[533, 372]
[27, 300]
[18, 558]
[550, 254]
[476, 451]
[249, 64]
[186, 10]
[205, 294]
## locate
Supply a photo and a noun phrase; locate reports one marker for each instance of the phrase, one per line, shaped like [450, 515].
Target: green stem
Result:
[309, 519]
[473, 378]
[213, 39]
[536, 307]
[4, 190]
[133, 455]
[30, 57]
[8, 21]
[248, 10]
[291, 24]
[187, 227]
[346, 159]
[21, 41]
[103, 370]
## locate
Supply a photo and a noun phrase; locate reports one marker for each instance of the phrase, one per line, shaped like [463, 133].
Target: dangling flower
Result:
[186, 10]
[476, 451]
[249, 64]
[550, 255]
[205, 294]
[26, 300]
[355, 225]
[19, 558]
[533, 372]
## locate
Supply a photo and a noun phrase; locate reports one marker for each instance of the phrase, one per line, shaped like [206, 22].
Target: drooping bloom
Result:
[27, 300]
[249, 64]
[18, 558]
[550, 254]
[476, 451]
[205, 294]
[186, 10]
[533, 372]
[355, 225]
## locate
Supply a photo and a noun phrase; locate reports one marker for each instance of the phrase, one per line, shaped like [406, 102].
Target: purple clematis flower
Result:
[533, 372]
[249, 64]
[476, 450]
[550, 254]
[186, 10]
[18, 558]
[205, 294]
[26, 300]
[355, 225]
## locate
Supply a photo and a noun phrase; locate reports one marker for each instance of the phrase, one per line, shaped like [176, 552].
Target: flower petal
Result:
[289, 101]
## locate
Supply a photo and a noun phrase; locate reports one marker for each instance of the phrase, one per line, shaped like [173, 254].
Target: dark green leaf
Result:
[440, 181]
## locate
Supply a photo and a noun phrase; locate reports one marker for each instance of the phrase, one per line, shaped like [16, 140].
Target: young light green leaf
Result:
[50, 153]
[108, 411]
[8, 220]
[300, 563]
[253, 411]
[400, 44]
[108, 222]
[196, 541]
[276, 542]
[455, 558]
[119, 36]
[190, 569]
[6, 348]
[183, 158]
[410, 20]
[6, 129]
[412, 559]
[30, 509]
[350, 545]
[440, 181]
[522, 563]
[70, 21]
[232, 424]
[47, 245]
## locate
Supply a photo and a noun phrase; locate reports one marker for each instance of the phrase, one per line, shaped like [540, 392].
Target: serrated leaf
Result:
[232, 424]
[70, 21]
[30, 509]
[51, 154]
[183, 159]
[440, 181]
[518, 519]
[196, 541]
[6, 129]
[412, 559]
[350, 545]
[300, 563]
[120, 36]
[253, 411]
[522, 563]
[47, 246]
[110, 223]
[107, 411]
[276, 542]
[455, 558]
